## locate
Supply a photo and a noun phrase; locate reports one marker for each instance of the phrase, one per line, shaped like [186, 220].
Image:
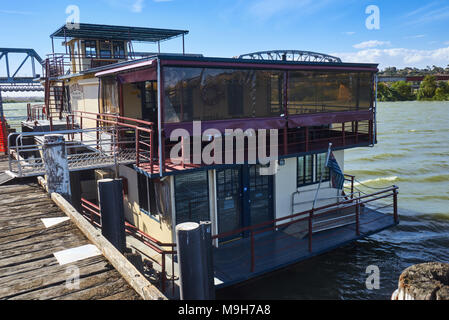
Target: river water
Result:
[412, 153]
[15, 113]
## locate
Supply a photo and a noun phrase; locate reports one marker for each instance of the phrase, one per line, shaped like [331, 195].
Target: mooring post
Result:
[195, 258]
[110, 195]
[56, 165]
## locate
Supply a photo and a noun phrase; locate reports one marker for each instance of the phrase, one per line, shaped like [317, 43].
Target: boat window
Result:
[161, 199]
[90, 48]
[144, 203]
[305, 170]
[322, 171]
[109, 96]
[192, 197]
[312, 168]
[146, 189]
[105, 49]
[205, 94]
[218, 94]
[119, 49]
[315, 92]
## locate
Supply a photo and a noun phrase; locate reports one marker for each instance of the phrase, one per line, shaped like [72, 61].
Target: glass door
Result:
[244, 198]
[149, 101]
[260, 196]
[229, 201]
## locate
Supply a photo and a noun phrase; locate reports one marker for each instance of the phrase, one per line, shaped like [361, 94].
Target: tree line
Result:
[407, 72]
[429, 90]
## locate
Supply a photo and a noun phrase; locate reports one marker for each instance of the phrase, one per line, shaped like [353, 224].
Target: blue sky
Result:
[412, 32]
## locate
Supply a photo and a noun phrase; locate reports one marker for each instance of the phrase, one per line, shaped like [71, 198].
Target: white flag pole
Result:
[321, 177]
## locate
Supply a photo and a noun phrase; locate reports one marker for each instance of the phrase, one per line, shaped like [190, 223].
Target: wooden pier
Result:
[29, 269]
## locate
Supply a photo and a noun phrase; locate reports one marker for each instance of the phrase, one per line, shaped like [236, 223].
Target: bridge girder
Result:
[291, 55]
[11, 77]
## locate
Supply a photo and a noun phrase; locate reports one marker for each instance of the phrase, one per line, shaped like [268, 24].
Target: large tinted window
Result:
[327, 91]
[216, 94]
[192, 197]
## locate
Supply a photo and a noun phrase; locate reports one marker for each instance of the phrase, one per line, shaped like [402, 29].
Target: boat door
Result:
[260, 196]
[149, 107]
[149, 101]
[244, 198]
[229, 201]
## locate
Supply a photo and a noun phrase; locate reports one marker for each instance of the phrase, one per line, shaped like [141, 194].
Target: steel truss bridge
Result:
[12, 82]
[291, 55]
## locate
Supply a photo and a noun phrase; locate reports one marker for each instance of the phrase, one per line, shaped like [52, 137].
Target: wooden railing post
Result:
[357, 218]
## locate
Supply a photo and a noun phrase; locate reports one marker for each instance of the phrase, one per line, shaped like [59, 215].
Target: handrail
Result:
[309, 215]
[57, 64]
[262, 224]
[114, 116]
[120, 121]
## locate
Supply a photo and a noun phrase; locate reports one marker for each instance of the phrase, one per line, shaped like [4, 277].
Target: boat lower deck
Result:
[278, 249]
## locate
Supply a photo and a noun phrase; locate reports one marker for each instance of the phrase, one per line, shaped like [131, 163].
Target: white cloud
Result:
[398, 57]
[371, 44]
[137, 6]
[415, 36]
[425, 15]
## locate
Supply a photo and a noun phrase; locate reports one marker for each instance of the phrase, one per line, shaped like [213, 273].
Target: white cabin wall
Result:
[131, 201]
[285, 184]
[84, 97]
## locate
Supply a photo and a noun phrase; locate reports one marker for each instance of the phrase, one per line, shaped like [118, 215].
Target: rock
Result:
[427, 281]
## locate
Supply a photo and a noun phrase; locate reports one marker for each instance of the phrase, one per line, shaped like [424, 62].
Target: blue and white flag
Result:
[337, 176]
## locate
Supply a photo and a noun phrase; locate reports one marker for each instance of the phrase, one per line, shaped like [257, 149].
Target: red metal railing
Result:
[158, 247]
[92, 213]
[309, 215]
[144, 132]
[36, 112]
[351, 179]
[142, 140]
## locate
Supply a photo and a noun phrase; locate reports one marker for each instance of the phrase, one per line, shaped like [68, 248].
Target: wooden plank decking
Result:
[28, 267]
